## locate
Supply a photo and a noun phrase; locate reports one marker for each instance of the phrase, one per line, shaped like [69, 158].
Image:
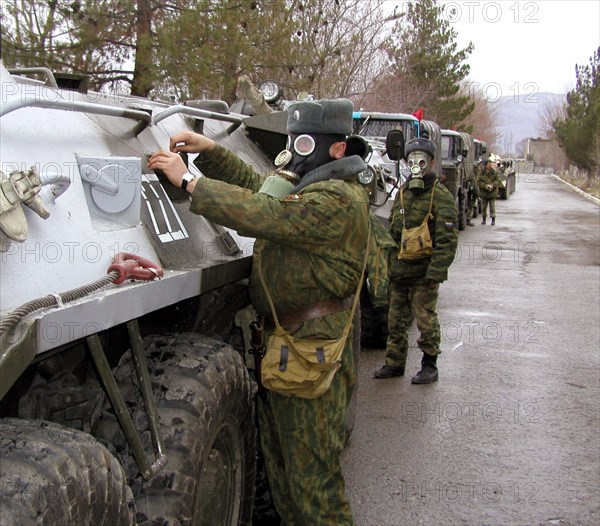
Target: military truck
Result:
[433, 132]
[458, 168]
[126, 388]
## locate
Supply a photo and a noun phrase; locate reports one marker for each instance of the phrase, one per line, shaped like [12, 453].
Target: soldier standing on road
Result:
[489, 182]
[311, 245]
[414, 283]
[474, 200]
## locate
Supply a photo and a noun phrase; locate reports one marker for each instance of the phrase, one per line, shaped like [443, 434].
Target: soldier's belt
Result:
[313, 311]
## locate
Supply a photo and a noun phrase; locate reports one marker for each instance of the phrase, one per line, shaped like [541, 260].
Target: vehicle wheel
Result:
[373, 322]
[53, 475]
[512, 186]
[205, 403]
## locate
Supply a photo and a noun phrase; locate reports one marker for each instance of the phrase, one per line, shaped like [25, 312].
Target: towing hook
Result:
[131, 266]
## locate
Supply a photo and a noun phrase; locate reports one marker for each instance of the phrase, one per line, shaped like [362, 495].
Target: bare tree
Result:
[554, 110]
[484, 117]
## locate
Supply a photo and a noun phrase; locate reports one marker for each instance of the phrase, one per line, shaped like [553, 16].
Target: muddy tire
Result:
[205, 404]
[52, 475]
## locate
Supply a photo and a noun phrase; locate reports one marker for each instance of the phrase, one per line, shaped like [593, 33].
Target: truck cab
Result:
[458, 165]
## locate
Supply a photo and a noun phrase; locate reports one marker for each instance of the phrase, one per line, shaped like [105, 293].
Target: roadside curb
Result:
[578, 190]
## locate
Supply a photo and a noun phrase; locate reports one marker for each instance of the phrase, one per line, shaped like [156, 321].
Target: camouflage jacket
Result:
[486, 179]
[310, 245]
[442, 228]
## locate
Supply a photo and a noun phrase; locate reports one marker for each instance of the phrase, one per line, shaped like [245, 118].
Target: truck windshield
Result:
[372, 127]
[446, 147]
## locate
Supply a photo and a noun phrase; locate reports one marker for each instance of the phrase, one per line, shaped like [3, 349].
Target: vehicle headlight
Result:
[270, 90]
[366, 177]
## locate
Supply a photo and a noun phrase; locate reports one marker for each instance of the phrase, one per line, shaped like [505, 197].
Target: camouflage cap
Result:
[320, 116]
[422, 145]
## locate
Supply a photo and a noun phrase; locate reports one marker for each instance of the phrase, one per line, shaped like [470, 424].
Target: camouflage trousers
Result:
[407, 302]
[484, 205]
[302, 441]
[472, 212]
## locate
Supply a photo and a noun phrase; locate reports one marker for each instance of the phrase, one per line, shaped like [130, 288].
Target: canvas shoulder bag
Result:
[416, 242]
[301, 367]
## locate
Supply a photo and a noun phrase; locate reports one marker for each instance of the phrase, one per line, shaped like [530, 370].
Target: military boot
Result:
[493, 221]
[387, 371]
[428, 372]
[483, 221]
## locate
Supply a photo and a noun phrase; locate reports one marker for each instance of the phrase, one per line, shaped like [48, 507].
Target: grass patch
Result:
[592, 188]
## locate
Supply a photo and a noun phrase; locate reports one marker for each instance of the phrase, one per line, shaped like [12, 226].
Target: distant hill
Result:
[520, 119]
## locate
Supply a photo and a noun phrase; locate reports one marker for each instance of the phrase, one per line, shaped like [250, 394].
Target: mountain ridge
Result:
[521, 117]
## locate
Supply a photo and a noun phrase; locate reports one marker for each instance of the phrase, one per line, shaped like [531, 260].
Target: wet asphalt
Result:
[509, 435]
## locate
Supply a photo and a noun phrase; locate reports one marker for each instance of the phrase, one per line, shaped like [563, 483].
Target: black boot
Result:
[483, 221]
[428, 372]
[387, 371]
[493, 221]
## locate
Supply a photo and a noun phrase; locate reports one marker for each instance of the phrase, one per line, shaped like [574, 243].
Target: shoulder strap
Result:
[356, 296]
[430, 205]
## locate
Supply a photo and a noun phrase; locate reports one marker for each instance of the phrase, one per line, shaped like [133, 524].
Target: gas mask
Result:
[305, 152]
[418, 163]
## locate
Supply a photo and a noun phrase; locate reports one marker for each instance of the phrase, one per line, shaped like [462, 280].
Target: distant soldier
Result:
[416, 274]
[488, 183]
[474, 200]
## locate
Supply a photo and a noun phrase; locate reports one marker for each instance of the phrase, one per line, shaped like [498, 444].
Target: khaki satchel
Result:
[416, 242]
[300, 367]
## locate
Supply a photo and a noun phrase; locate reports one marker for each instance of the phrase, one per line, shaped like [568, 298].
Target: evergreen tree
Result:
[427, 68]
[579, 133]
[196, 49]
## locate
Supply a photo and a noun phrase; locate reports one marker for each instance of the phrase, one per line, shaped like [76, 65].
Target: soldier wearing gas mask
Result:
[425, 206]
[311, 223]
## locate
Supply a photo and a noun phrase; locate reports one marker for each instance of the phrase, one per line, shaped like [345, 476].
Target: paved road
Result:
[510, 433]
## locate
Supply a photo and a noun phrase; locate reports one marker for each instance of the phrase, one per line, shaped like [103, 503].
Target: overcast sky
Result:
[523, 47]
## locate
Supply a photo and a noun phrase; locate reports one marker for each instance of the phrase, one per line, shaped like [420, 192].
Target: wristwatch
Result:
[187, 178]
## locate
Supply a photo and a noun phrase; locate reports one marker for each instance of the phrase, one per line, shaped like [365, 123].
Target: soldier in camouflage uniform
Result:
[474, 199]
[414, 284]
[488, 183]
[311, 245]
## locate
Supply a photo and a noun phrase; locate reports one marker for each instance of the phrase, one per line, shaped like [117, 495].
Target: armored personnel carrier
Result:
[126, 394]
[126, 385]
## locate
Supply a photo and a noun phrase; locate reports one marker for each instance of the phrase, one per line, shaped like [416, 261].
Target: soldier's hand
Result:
[191, 142]
[170, 163]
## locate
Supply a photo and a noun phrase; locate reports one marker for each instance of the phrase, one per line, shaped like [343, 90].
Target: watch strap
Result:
[187, 177]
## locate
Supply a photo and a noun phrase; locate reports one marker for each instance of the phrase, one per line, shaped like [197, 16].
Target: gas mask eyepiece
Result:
[304, 153]
[303, 145]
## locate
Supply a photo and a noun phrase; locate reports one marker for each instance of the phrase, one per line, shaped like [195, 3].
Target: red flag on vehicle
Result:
[418, 114]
